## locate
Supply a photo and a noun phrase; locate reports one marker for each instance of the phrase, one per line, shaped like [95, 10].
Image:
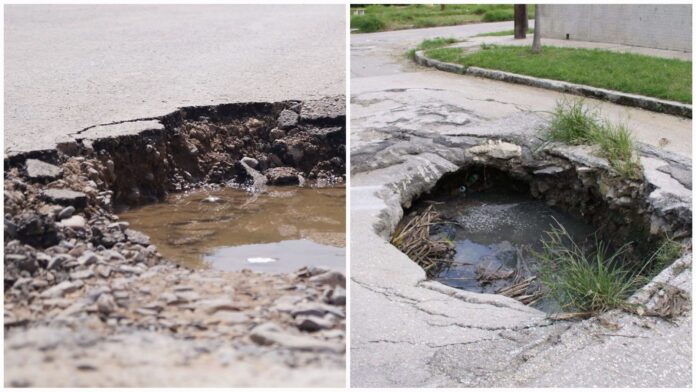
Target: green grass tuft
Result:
[573, 123]
[669, 251]
[616, 143]
[582, 281]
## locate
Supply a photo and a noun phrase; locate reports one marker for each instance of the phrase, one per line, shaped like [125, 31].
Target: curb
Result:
[619, 98]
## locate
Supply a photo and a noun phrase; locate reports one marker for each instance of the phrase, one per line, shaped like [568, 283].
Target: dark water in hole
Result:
[494, 234]
[280, 230]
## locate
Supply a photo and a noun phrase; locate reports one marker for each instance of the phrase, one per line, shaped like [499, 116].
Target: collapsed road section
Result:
[419, 331]
[85, 293]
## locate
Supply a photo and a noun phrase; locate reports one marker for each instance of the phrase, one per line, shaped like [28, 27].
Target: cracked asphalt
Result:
[409, 125]
[69, 67]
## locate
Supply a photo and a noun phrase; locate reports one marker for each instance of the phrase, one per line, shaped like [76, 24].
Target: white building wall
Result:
[652, 26]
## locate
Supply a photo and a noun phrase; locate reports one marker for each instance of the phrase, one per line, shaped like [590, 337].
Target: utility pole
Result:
[536, 43]
[521, 24]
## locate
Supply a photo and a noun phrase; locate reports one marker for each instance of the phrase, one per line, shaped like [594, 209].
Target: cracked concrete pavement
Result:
[69, 67]
[381, 73]
[408, 127]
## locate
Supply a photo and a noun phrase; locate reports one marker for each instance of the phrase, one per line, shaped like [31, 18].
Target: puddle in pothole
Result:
[277, 231]
[495, 233]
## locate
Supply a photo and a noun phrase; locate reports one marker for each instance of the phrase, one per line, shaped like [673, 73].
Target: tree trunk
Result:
[520, 21]
[526, 19]
[536, 43]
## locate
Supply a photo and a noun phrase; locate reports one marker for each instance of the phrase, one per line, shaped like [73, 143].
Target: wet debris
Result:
[667, 302]
[413, 239]
[525, 291]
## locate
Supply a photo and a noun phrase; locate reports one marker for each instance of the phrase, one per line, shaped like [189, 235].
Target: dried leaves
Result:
[413, 239]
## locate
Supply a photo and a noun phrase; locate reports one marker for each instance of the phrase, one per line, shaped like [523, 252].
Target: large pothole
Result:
[484, 228]
[250, 169]
[73, 192]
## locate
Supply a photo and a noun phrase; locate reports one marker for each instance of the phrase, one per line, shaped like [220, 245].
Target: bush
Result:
[498, 15]
[367, 23]
[480, 10]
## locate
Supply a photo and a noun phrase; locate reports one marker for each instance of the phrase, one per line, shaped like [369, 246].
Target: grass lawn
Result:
[433, 43]
[631, 73]
[397, 17]
[502, 33]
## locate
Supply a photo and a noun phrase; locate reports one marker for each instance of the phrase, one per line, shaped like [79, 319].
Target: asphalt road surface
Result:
[71, 67]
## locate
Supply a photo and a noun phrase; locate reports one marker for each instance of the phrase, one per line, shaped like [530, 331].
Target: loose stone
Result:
[230, 317]
[103, 270]
[106, 303]
[331, 278]
[66, 212]
[269, 333]
[283, 176]
[84, 274]
[312, 323]
[210, 306]
[287, 119]
[137, 237]
[61, 289]
[88, 258]
[65, 197]
[40, 171]
[75, 222]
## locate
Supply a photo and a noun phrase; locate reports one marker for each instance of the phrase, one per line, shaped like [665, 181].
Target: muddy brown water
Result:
[277, 231]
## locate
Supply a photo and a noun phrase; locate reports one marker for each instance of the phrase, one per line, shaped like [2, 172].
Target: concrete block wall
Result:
[648, 25]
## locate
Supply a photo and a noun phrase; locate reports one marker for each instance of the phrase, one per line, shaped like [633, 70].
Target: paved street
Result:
[71, 67]
[409, 126]
[379, 65]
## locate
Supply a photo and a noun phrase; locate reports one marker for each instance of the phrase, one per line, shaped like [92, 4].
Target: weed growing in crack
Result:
[575, 124]
[583, 281]
[572, 123]
[590, 282]
[616, 143]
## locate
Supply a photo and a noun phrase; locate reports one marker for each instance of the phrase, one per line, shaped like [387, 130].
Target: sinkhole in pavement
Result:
[279, 230]
[482, 228]
[258, 185]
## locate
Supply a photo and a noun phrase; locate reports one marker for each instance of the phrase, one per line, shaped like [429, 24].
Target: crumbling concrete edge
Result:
[398, 195]
[617, 97]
